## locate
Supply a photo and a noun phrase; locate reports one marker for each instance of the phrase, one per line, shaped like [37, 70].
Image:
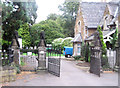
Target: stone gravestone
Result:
[16, 47]
[41, 53]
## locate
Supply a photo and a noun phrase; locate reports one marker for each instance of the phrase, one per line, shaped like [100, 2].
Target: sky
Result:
[45, 7]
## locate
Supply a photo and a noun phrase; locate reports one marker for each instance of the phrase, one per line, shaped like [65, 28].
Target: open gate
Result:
[28, 62]
[95, 58]
[95, 62]
[54, 59]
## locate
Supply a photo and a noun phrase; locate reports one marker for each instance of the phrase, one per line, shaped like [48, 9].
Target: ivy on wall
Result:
[25, 34]
[114, 40]
[102, 40]
[104, 59]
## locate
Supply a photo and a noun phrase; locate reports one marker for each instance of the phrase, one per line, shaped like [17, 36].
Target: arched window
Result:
[79, 23]
[79, 26]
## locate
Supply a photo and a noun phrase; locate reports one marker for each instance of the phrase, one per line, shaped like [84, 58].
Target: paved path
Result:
[71, 75]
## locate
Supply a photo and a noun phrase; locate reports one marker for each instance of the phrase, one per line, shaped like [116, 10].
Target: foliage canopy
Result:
[15, 14]
[50, 27]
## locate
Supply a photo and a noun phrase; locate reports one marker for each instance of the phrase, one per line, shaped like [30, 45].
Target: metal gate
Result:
[95, 62]
[54, 59]
[95, 58]
[28, 62]
[6, 57]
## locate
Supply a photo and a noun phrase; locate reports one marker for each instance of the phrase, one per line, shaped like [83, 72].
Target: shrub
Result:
[22, 61]
[102, 41]
[114, 39]
[104, 61]
[87, 53]
[83, 50]
[60, 42]
[57, 42]
[77, 57]
[104, 58]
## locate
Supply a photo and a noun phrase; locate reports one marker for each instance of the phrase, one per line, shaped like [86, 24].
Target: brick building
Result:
[90, 15]
[88, 18]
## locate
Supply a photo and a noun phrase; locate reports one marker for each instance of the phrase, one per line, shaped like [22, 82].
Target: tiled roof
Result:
[77, 38]
[92, 13]
[112, 7]
[105, 34]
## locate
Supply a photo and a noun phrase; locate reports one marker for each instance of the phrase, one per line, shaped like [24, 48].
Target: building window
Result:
[79, 26]
[79, 23]
[78, 48]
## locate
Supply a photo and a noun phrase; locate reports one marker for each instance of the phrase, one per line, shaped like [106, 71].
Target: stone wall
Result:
[7, 74]
[79, 18]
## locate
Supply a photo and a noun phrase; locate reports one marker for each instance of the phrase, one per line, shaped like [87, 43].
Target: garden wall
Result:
[7, 74]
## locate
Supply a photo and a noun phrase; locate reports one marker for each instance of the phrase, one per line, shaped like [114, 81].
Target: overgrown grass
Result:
[24, 54]
[52, 54]
[22, 62]
[32, 54]
[79, 58]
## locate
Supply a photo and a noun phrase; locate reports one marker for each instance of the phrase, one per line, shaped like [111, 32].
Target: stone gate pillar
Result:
[119, 44]
[41, 53]
[16, 47]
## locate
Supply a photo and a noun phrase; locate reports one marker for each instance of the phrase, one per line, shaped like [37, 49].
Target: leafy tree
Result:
[69, 10]
[114, 40]
[15, 14]
[87, 53]
[0, 25]
[50, 27]
[52, 16]
[24, 33]
[57, 42]
[102, 40]
[67, 42]
[61, 42]
[104, 59]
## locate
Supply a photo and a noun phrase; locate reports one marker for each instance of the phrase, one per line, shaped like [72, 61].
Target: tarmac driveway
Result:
[71, 75]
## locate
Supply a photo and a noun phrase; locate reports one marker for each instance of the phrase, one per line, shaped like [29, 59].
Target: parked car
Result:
[68, 51]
